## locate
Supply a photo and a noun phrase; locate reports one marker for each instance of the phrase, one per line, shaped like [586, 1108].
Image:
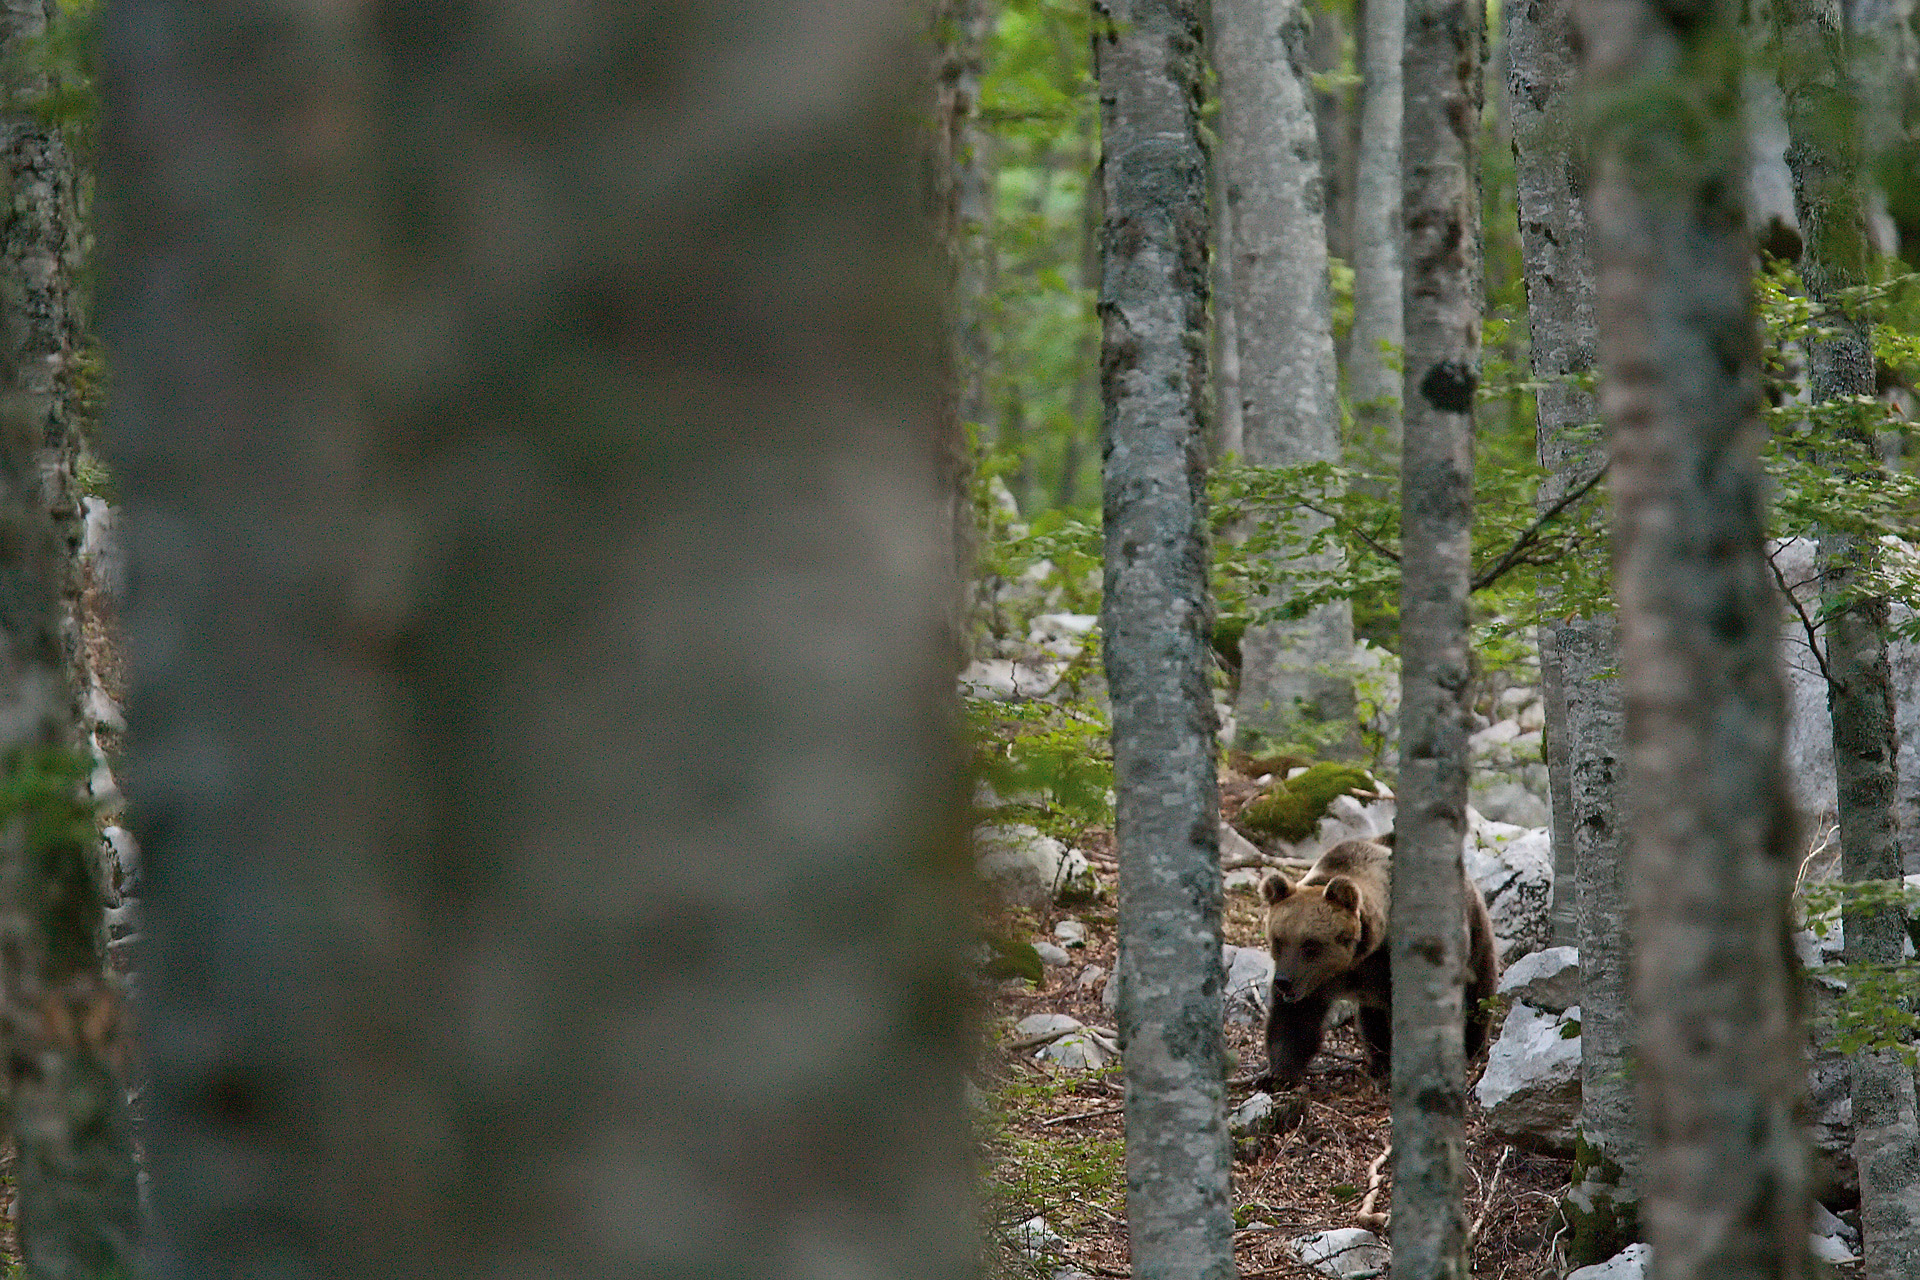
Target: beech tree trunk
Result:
[1441, 198]
[963, 195]
[1154, 624]
[1716, 994]
[1294, 684]
[77, 1207]
[1374, 344]
[1825, 157]
[1586, 728]
[542, 718]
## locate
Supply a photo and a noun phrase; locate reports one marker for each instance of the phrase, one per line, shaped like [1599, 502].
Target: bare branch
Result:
[1526, 540]
[1806, 623]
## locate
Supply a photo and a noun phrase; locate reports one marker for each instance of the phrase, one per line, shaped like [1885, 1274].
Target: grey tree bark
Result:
[1716, 992]
[1586, 717]
[1441, 199]
[1374, 344]
[1293, 675]
[60, 1012]
[542, 719]
[1825, 156]
[1154, 623]
[963, 209]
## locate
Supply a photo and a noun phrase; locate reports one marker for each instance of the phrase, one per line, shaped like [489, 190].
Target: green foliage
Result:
[44, 799]
[1014, 958]
[1040, 113]
[1074, 1180]
[1874, 1004]
[61, 65]
[1054, 761]
[1291, 810]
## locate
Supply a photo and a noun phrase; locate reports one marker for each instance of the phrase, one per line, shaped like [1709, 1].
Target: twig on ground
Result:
[1486, 1201]
[1083, 1115]
[1376, 1178]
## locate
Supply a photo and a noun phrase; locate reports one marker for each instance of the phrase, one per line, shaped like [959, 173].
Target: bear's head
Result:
[1317, 932]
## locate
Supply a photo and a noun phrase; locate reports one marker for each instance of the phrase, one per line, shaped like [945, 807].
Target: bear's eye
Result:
[1310, 949]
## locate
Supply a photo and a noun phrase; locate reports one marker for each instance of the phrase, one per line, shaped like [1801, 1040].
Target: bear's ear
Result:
[1275, 887]
[1342, 892]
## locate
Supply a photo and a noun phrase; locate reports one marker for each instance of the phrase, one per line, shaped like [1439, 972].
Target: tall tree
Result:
[1715, 988]
[1441, 202]
[1586, 716]
[1379, 332]
[542, 719]
[1824, 155]
[1153, 311]
[1293, 675]
[77, 1208]
[962, 203]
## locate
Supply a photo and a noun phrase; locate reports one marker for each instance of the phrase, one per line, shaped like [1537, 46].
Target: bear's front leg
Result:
[1294, 1032]
[1376, 1033]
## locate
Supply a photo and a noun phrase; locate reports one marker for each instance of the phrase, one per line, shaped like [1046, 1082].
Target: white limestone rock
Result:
[1630, 1263]
[1514, 868]
[1027, 868]
[1249, 978]
[1346, 1253]
[1548, 980]
[1531, 1087]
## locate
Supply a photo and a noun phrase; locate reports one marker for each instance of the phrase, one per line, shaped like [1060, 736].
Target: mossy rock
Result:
[1256, 766]
[1292, 810]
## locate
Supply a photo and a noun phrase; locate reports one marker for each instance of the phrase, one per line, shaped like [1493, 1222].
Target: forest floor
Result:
[1053, 1138]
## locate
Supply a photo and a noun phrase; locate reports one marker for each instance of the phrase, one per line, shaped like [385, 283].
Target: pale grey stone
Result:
[1249, 976]
[1091, 977]
[1052, 956]
[1548, 980]
[1028, 868]
[1630, 1263]
[1531, 1087]
[1513, 866]
[1255, 1115]
[1035, 1238]
[1071, 933]
[1346, 1254]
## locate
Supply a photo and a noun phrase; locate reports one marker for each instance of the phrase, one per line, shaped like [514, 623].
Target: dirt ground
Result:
[1052, 1138]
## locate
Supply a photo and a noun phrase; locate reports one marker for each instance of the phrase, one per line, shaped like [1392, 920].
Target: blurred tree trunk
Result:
[542, 721]
[1293, 675]
[1716, 990]
[1586, 719]
[1375, 343]
[1441, 199]
[1824, 119]
[78, 1208]
[1153, 363]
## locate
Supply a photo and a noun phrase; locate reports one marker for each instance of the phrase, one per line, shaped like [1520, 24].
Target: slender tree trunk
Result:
[1586, 715]
[963, 190]
[542, 719]
[1716, 993]
[1825, 157]
[1293, 677]
[77, 1207]
[1153, 310]
[1441, 198]
[1378, 334]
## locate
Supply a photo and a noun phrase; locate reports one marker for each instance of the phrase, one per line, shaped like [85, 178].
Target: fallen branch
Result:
[1376, 1178]
[1486, 1203]
[1083, 1115]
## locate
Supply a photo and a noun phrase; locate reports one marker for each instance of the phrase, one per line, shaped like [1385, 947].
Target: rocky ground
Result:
[1052, 1135]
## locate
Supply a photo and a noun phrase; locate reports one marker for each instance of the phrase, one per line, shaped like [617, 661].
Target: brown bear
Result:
[1328, 935]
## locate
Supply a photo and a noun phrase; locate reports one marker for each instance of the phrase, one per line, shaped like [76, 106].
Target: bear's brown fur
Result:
[1328, 935]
